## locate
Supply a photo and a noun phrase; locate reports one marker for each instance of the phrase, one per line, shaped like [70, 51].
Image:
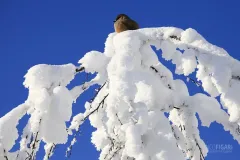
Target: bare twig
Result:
[174, 134]
[200, 150]
[195, 82]
[177, 138]
[117, 150]
[236, 77]
[5, 154]
[111, 148]
[101, 103]
[176, 108]
[238, 130]
[192, 80]
[119, 119]
[69, 151]
[156, 71]
[153, 68]
[98, 90]
[182, 127]
[175, 37]
[51, 151]
[32, 155]
[80, 69]
[27, 156]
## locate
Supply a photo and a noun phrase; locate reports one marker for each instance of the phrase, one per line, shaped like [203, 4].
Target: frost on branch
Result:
[50, 105]
[135, 91]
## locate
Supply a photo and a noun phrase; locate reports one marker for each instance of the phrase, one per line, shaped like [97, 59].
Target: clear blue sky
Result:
[59, 32]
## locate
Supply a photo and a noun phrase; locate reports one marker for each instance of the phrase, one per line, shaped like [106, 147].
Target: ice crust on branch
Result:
[135, 91]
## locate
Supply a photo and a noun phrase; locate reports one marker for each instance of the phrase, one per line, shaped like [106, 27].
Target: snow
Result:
[190, 35]
[168, 50]
[189, 63]
[53, 127]
[135, 92]
[50, 101]
[77, 120]
[90, 59]
[47, 76]
[8, 123]
[50, 105]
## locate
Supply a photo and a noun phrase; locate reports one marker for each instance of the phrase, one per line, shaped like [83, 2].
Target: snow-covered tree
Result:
[129, 108]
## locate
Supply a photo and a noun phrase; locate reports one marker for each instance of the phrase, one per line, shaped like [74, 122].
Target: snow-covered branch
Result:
[135, 91]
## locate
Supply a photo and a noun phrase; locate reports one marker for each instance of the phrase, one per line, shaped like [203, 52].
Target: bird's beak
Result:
[114, 21]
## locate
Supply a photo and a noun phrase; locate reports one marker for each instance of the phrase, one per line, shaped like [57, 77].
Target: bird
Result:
[124, 23]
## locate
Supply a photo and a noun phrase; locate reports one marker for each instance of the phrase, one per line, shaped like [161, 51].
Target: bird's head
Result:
[121, 16]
